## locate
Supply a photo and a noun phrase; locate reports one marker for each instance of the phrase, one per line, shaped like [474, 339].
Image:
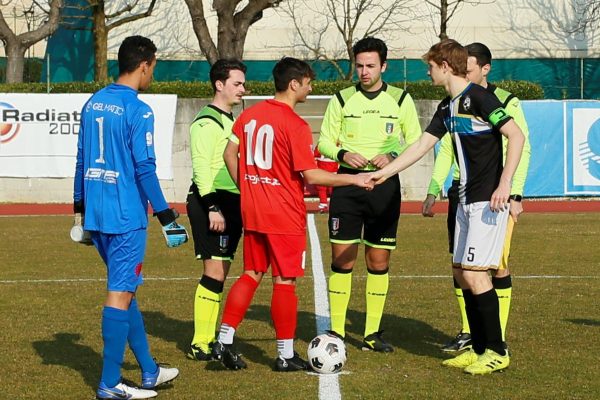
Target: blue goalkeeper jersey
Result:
[115, 173]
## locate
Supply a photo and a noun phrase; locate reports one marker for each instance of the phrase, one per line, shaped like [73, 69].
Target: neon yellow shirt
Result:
[353, 122]
[209, 134]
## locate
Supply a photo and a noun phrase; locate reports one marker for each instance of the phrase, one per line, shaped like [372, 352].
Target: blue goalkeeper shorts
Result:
[123, 255]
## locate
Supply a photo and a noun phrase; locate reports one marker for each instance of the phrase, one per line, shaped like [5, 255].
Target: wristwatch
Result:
[214, 208]
[516, 197]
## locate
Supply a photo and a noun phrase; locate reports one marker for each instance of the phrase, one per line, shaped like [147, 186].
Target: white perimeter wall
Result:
[415, 180]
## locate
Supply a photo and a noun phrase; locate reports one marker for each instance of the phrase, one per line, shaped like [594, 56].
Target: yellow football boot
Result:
[488, 362]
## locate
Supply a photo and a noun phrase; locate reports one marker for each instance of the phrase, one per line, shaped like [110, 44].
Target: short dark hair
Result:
[452, 52]
[371, 44]
[288, 69]
[220, 70]
[133, 51]
[481, 52]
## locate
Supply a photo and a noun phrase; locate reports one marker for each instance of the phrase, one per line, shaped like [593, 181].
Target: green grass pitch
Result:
[51, 294]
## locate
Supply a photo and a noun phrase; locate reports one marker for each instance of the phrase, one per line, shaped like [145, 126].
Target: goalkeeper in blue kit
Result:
[115, 178]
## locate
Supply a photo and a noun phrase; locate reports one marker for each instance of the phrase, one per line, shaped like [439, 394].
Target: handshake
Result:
[369, 180]
[174, 234]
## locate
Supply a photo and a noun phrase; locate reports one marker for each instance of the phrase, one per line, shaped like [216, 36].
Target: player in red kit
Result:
[324, 192]
[275, 160]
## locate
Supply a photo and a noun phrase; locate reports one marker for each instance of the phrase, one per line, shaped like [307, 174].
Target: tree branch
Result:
[131, 18]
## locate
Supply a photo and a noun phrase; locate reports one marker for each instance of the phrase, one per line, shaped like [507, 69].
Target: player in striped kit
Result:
[477, 121]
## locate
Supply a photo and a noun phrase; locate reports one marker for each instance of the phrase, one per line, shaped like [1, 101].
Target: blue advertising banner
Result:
[545, 120]
[565, 148]
[582, 148]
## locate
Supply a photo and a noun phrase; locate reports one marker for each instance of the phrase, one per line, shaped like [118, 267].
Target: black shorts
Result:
[375, 214]
[453, 201]
[209, 244]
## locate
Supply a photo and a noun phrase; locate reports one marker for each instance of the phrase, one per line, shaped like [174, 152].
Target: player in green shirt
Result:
[479, 66]
[364, 128]
[213, 203]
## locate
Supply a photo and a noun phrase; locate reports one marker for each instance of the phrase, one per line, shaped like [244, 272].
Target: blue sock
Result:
[138, 342]
[115, 325]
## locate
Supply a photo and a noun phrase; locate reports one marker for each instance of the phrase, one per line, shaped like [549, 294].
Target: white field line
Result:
[329, 385]
[195, 278]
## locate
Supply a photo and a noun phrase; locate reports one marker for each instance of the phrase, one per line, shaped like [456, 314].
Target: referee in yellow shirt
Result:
[364, 128]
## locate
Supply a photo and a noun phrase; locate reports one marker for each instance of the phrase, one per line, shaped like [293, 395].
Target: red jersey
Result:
[275, 146]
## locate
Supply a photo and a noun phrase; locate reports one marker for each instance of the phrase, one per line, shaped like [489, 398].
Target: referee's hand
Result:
[355, 160]
[217, 221]
[516, 209]
[428, 203]
[381, 160]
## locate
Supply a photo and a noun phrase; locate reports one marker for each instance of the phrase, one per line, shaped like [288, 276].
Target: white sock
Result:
[226, 334]
[285, 348]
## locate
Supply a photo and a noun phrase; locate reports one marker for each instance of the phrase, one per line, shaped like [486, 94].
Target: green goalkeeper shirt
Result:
[369, 124]
[445, 157]
[209, 134]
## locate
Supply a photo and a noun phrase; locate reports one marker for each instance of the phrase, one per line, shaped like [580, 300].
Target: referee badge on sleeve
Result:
[389, 128]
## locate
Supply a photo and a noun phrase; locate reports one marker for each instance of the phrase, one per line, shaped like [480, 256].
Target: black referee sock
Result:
[487, 305]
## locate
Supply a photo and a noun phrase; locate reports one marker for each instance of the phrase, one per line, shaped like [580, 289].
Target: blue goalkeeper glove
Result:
[174, 234]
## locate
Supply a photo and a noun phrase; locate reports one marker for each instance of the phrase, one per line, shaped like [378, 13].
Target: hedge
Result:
[419, 90]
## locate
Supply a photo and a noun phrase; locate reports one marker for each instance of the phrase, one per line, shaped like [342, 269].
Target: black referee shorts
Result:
[209, 244]
[374, 214]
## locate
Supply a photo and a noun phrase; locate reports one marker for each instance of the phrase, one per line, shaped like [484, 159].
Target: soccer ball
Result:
[327, 354]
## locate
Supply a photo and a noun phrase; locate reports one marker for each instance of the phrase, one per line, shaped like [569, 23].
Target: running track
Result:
[408, 207]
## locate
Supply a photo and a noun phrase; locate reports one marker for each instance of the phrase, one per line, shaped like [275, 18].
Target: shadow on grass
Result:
[181, 332]
[584, 322]
[169, 329]
[411, 335]
[64, 350]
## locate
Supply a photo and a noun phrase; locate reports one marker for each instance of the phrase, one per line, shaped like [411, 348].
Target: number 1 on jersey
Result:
[261, 152]
[100, 122]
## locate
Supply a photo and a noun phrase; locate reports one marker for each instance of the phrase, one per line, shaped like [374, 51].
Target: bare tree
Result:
[349, 21]
[446, 10]
[554, 35]
[588, 15]
[233, 24]
[106, 16]
[16, 45]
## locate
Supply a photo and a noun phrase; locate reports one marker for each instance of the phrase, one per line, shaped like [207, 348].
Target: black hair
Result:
[220, 70]
[481, 52]
[133, 51]
[288, 69]
[371, 44]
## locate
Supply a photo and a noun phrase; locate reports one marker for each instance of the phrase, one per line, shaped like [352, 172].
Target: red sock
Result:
[284, 310]
[322, 192]
[238, 300]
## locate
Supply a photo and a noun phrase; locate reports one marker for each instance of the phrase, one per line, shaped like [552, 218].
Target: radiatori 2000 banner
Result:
[38, 133]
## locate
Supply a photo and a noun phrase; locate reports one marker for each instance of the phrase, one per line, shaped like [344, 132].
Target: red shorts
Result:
[329, 166]
[284, 253]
